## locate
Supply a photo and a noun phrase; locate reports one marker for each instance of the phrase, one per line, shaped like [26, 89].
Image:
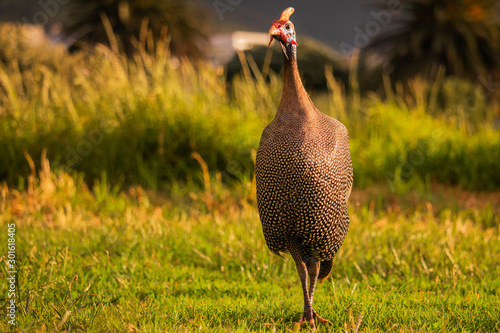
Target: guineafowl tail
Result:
[324, 270]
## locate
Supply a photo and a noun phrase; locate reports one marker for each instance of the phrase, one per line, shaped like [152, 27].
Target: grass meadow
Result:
[97, 259]
[130, 182]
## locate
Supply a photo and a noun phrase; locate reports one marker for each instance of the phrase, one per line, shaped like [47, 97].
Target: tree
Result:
[85, 22]
[461, 36]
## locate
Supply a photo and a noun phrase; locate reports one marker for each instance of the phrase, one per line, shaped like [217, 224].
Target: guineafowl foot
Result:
[304, 319]
[309, 316]
[321, 320]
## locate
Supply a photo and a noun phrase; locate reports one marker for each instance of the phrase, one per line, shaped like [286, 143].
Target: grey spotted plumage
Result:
[304, 177]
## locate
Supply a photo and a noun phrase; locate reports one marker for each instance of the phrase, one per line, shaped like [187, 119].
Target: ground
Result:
[104, 259]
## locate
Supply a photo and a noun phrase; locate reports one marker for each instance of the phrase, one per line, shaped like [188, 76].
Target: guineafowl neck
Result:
[294, 95]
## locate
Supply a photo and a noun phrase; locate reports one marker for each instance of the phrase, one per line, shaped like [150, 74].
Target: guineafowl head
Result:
[284, 32]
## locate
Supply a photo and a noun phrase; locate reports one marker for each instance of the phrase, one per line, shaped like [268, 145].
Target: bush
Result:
[411, 148]
[313, 59]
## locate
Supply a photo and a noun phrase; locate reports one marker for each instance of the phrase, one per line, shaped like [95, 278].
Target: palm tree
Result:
[84, 22]
[460, 36]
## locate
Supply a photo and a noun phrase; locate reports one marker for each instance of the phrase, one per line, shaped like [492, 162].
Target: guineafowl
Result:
[304, 177]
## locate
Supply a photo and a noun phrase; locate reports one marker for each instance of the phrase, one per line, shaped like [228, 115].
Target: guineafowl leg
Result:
[313, 270]
[307, 315]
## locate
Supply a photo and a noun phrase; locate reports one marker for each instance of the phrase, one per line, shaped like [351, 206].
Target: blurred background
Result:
[130, 90]
[128, 136]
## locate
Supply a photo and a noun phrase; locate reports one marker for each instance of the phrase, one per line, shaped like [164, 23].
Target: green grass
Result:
[106, 260]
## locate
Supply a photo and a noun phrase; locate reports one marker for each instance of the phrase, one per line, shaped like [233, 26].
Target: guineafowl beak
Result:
[274, 32]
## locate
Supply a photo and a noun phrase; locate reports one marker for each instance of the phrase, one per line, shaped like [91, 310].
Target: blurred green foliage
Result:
[313, 59]
[139, 120]
[27, 48]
